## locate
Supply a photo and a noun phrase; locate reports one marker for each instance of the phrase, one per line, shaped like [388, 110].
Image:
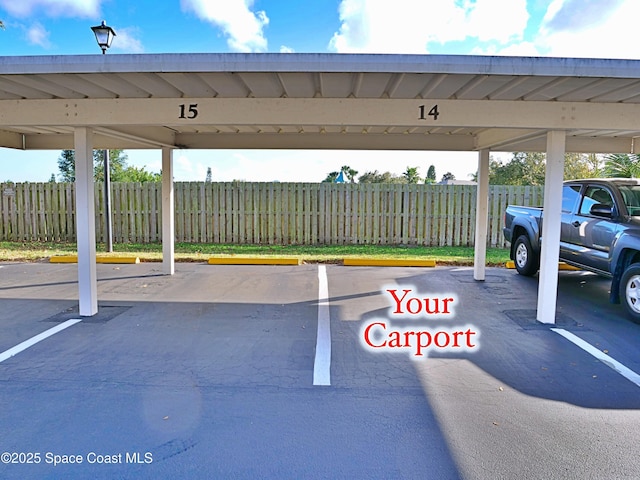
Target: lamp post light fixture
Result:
[104, 35]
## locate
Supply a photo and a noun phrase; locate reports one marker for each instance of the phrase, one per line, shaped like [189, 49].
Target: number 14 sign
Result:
[423, 114]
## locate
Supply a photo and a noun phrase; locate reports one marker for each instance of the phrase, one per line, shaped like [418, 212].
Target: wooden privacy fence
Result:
[266, 213]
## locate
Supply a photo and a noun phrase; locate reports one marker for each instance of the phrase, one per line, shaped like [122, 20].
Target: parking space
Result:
[210, 374]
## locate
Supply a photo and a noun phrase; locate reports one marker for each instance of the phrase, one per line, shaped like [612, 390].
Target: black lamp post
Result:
[108, 223]
[104, 35]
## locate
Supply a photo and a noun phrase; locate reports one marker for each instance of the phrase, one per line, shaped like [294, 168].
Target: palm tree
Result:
[349, 172]
[346, 172]
[622, 165]
[1, 25]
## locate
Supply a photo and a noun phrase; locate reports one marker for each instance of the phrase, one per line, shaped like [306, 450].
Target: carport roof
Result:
[320, 101]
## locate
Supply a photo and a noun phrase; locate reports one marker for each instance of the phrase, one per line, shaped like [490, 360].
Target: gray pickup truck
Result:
[600, 233]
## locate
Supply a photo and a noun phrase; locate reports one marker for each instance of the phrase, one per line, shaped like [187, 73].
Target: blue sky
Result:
[567, 28]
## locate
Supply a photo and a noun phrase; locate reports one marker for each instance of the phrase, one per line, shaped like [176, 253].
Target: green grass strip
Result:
[198, 252]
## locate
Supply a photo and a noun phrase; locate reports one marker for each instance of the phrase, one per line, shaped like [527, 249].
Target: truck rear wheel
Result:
[630, 291]
[526, 260]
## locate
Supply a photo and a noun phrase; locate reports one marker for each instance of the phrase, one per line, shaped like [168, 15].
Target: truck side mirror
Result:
[601, 210]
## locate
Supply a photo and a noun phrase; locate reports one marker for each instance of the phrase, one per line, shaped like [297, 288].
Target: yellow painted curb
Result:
[254, 261]
[117, 260]
[372, 262]
[74, 259]
[561, 266]
[64, 259]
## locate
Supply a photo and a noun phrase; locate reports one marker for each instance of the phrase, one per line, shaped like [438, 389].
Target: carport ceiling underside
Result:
[320, 101]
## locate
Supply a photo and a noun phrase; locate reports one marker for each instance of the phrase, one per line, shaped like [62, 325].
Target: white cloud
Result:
[285, 49]
[380, 26]
[38, 35]
[188, 168]
[54, 8]
[552, 10]
[613, 35]
[184, 164]
[570, 28]
[243, 28]
[496, 20]
[575, 15]
[126, 41]
[201, 172]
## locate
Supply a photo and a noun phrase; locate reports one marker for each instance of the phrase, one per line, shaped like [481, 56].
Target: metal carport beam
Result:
[548, 277]
[173, 113]
[326, 141]
[164, 140]
[11, 140]
[577, 144]
[103, 138]
[504, 138]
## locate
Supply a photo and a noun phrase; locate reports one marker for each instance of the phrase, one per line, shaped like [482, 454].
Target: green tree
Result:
[411, 175]
[622, 165]
[578, 165]
[431, 175]
[533, 167]
[67, 166]
[208, 178]
[117, 166]
[331, 177]
[510, 173]
[524, 168]
[118, 169]
[1, 25]
[528, 168]
[377, 177]
[52, 178]
[134, 174]
[596, 164]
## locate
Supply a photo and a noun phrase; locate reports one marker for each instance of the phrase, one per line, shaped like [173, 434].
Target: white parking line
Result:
[322, 363]
[603, 357]
[38, 338]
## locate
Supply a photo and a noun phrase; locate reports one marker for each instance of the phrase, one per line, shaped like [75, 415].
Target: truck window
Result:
[570, 195]
[593, 195]
[631, 196]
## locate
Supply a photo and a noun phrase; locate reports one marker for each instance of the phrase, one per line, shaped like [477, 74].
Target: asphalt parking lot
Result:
[221, 372]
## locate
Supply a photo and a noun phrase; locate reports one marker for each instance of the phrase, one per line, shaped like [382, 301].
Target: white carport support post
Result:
[86, 222]
[168, 225]
[482, 216]
[548, 278]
